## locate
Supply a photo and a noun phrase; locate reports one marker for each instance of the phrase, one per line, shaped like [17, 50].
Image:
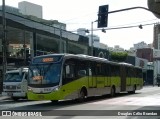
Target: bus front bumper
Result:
[48, 96]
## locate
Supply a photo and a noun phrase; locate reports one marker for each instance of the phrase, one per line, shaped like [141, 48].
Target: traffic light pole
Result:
[92, 41]
[131, 8]
[103, 10]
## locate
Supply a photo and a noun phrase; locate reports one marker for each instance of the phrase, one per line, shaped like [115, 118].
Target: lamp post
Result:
[4, 48]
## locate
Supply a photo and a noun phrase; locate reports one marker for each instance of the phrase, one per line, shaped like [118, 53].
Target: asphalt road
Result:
[145, 104]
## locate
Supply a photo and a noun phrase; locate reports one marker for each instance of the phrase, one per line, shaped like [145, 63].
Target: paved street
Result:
[123, 104]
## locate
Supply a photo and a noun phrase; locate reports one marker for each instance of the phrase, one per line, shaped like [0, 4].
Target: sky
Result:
[80, 13]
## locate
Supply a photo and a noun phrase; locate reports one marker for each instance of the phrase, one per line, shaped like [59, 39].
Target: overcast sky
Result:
[80, 13]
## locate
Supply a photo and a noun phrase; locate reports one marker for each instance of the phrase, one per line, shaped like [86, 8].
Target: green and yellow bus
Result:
[66, 76]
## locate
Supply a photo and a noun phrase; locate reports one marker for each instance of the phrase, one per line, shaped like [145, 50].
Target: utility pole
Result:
[92, 40]
[4, 48]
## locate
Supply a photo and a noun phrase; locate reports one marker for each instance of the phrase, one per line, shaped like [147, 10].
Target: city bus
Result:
[57, 77]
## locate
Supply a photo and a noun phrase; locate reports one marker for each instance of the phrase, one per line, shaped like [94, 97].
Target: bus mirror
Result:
[82, 73]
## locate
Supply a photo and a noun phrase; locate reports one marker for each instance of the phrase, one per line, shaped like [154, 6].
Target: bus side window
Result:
[81, 69]
[82, 73]
[90, 72]
[68, 73]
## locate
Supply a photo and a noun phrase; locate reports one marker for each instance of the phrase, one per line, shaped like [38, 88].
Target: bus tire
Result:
[54, 101]
[112, 93]
[15, 98]
[134, 90]
[82, 95]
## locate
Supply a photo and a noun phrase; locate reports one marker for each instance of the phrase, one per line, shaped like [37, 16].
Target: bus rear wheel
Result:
[112, 93]
[133, 91]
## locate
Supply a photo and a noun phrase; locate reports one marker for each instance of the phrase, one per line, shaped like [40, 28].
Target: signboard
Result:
[47, 59]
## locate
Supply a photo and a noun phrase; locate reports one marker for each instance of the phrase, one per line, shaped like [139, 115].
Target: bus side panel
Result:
[123, 78]
[92, 75]
[100, 75]
[107, 75]
[71, 89]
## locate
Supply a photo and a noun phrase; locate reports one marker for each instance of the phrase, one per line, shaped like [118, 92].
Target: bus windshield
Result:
[14, 77]
[45, 73]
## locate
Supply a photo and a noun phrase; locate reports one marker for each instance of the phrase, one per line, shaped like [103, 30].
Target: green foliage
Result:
[118, 56]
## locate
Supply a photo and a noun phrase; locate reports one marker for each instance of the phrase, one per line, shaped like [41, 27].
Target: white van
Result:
[15, 84]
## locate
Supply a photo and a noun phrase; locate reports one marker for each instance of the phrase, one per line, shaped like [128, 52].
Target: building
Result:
[156, 63]
[117, 48]
[145, 53]
[142, 55]
[131, 51]
[156, 35]
[82, 31]
[31, 36]
[156, 52]
[96, 40]
[140, 45]
[27, 8]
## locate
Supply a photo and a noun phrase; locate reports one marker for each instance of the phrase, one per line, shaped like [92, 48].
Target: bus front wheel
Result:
[82, 95]
[15, 98]
[54, 101]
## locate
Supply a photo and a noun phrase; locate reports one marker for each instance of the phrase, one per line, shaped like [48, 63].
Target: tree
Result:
[118, 56]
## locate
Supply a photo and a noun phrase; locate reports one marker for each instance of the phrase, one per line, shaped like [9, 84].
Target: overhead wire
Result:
[123, 27]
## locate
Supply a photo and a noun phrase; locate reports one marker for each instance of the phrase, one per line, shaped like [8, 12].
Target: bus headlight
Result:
[30, 89]
[56, 89]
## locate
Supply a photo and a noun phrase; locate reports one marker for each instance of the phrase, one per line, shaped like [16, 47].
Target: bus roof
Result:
[86, 57]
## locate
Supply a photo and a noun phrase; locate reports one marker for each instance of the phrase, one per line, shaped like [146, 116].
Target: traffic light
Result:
[103, 16]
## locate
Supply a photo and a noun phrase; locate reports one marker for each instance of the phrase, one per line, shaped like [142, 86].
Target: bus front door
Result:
[91, 79]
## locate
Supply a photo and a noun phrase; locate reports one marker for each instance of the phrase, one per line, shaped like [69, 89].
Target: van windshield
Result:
[13, 77]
